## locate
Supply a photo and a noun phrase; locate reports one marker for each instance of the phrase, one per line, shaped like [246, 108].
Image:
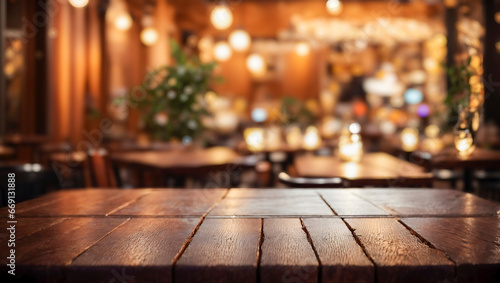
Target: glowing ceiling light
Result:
[123, 21]
[221, 17]
[302, 49]
[334, 7]
[256, 65]
[222, 51]
[239, 40]
[78, 3]
[149, 36]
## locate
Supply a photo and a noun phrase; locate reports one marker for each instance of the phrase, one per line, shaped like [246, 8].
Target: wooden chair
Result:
[101, 172]
[299, 182]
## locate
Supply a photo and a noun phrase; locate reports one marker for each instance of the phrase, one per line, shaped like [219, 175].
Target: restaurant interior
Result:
[250, 140]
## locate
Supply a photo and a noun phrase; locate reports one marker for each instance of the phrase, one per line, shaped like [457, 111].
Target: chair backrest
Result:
[299, 182]
[100, 169]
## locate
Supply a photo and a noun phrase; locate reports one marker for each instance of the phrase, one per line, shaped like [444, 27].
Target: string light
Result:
[222, 51]
[221, 17]
[149, 36]
[334, 7]
[256, 65]
[123, 21]
[78, 3]
[239, 40]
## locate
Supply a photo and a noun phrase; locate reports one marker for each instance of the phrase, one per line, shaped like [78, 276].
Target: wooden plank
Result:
[345, 203]
[43, 256]
[296, 206]
[342, 259]
[222, 250]
[398, 254]
[181, 202]
[473, 243]
[403, 202]
[270, 193]
[143, 248]
[287, 254]
[97, 202]
[27, 226]
[62, 242]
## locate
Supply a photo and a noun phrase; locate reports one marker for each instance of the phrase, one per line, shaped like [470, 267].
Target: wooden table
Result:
[255, 235]
[375, 169]
[186, 162]
[479, 159]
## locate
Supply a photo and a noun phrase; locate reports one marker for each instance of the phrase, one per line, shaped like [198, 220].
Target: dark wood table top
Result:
[375, 169]
[255, 235]
[480, 158]
[178, 159]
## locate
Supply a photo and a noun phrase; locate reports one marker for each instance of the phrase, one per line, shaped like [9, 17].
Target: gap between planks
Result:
[430, 245]
[358, 241]
[309, 239]
[193, 233]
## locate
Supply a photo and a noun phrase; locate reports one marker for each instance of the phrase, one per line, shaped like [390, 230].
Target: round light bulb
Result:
[222, 51]
[354, 128]
[123, 21]
[221, 17]
[149, 36]
[256, 65]
[239, 40]
[78, 3]
[334, 7]
[302, 49]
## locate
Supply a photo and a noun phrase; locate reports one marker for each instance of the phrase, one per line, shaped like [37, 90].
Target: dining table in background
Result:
[374, 169]
[255, 235]
[480, 158]
[183, 163]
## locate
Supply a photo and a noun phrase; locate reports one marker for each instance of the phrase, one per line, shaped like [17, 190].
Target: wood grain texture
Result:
[182, 202]
[287, 255]
[344, 203]
[223, 250]
[399, 255]
[403, 202]
[87, 202]
[28, 226]
[296, 206]
[473, 243]
[342, 259]
[270, 193]
[144, 247]
[62, 242]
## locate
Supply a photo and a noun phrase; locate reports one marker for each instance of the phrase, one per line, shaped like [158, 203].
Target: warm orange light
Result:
[222, 51]
[256, 65]
[240, 40]
[149, 36]
[221, 17]
[302, 49]
[123, 21]
[78, 3]
[334, 7]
